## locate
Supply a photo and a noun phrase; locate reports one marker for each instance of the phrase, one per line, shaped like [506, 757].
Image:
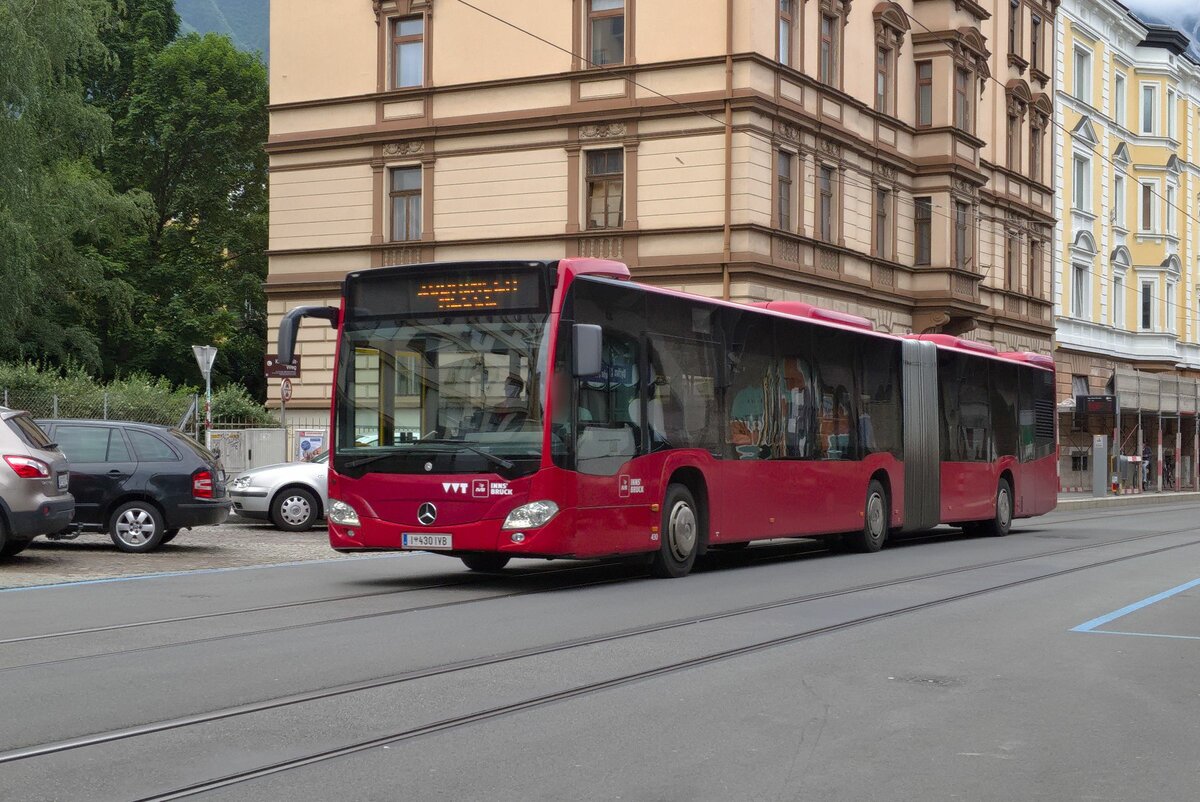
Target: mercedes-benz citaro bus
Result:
[491, 410]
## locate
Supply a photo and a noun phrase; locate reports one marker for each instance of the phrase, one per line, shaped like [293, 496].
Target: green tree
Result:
[59, 215]
[192, 138]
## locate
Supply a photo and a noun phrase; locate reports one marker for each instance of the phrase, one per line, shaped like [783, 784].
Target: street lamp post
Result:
[205, 356]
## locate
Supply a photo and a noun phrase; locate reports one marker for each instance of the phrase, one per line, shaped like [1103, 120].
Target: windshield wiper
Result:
[498, 461]
[492, 458]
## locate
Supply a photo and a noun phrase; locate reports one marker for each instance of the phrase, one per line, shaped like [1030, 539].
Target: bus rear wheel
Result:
[680, 534]
[875, 522]
[1001, 524]
[485, 562]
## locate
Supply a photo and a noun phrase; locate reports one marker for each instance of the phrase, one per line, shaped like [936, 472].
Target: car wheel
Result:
[10, 546]
[137, 527]
[294, 510]
[485, 562]
[680, 534]
[169, 535]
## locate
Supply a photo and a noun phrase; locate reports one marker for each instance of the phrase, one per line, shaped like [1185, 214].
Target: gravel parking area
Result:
[237, 543]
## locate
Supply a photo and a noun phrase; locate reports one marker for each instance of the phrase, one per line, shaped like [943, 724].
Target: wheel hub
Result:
[295, 510]
[682, 530]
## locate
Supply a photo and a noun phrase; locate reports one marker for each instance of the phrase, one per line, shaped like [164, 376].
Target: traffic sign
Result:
[285, 390]
[274, 369]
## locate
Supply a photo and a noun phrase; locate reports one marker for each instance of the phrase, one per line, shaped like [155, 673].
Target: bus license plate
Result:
[437, 542]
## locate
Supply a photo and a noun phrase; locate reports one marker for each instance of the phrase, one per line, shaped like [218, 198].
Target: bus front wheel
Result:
[875, 522]
[1001, 523]
[680, 534]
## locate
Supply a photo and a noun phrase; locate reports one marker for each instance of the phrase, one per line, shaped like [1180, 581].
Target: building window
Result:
[606, 31]
[1117, 307]
[1171, 113]
[1012, 262]
[1119, 100]
[1014, 142]
[962, 235]
[1171, 209]
[923, 211]
[829, 66]
[408, 52]
[883, 79]
[1147, 304]
[1014, 27]
[883, 220]
[605, 188]
[825, 208]
[783, 179]
[924, 93]
[1118, 215]
[1081, 196]
[1149, 108]
[1147, 222]
[406, 204]
[963, 100]
[1078, 291]
[1035, 268]
[1035, 150]
[1035, 42]
[1170, 304]
[786, 15]
[1079, 385]
[1083, 74]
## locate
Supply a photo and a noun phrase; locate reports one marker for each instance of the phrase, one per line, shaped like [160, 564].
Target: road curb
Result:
[1146, 500]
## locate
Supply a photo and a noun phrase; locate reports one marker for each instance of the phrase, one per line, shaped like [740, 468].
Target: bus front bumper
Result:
[556, 538]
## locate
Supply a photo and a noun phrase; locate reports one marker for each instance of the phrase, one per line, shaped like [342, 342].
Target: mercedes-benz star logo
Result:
[427, 514]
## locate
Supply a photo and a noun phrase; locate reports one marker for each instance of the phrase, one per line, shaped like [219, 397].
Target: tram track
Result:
[291, 700]
[590, 688]
[741, 557]
[474, 581]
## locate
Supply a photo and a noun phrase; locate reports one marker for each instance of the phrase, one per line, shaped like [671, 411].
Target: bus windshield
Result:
[457, 394]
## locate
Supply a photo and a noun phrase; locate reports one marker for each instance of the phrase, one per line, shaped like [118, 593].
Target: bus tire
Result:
[875, 522]
[1001, 523]
[485, 562]
[680, 534]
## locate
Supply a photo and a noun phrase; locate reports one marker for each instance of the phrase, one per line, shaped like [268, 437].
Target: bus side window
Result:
[879, 414]
[837, 436]
[682, 389]
[755, 426]
[800, 396]
[1004, 409]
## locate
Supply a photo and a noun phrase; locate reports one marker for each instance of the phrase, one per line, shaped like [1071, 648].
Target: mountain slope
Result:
[246, 22]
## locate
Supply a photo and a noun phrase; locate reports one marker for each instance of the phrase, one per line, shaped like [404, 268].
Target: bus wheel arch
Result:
[693, 479]
[885, 480]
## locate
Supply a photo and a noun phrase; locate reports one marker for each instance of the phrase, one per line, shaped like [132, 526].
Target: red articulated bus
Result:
[557, 409]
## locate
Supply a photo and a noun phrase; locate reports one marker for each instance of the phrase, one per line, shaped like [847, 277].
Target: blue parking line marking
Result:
[1090, 626]
[1144, 634]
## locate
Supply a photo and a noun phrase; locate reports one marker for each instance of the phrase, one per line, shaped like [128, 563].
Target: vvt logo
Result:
[455, 487]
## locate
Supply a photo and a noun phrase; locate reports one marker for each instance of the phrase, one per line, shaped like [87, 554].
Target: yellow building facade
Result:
[1127, 293]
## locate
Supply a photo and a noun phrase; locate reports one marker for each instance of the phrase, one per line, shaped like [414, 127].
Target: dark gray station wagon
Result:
[142, 484]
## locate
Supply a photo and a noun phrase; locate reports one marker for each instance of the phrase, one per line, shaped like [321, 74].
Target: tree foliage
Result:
[132, 191]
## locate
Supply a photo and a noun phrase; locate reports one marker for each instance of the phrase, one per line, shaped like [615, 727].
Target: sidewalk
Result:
[1083, 501]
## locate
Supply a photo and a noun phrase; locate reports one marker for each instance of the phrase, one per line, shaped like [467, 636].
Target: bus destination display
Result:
[454, 292]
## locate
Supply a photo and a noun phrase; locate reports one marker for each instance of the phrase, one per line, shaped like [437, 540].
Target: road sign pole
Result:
[205, 356]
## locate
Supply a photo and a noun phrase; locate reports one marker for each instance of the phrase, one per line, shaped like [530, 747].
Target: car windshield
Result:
[29, 431]
[463, 391]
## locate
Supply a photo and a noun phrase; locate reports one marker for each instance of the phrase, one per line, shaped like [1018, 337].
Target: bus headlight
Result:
[531, 515]
[343, 514]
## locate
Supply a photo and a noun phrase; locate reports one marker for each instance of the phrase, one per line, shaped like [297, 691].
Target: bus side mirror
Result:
[587, 349]
[289, 328]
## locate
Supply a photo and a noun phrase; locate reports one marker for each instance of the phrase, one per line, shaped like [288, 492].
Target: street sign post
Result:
[205, 356]
[285, 395]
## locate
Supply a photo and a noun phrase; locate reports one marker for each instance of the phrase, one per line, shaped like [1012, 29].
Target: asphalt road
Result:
[943, 667]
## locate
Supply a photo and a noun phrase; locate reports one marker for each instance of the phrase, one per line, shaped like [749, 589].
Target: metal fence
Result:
[171, 410]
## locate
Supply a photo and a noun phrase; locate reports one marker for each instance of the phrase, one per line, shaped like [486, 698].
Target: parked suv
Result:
[33, 483]
[140, 483]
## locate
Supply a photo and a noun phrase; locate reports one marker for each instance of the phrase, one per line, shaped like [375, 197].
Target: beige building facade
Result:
[892, 160]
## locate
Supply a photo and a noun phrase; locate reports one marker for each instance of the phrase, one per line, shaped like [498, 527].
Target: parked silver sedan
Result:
[293, 495]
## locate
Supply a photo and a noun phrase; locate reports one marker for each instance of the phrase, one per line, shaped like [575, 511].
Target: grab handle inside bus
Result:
[289, 327]
[588, 339]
